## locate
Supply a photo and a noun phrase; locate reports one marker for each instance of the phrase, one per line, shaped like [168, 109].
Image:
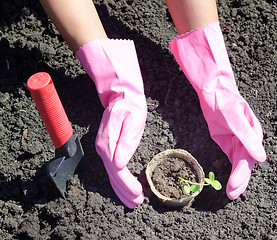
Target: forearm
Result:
[76, 20]
[192, 14]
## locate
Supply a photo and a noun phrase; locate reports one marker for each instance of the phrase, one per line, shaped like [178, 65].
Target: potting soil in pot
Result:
[165, 177]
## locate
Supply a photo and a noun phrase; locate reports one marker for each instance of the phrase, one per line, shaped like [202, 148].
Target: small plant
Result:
[194, 187]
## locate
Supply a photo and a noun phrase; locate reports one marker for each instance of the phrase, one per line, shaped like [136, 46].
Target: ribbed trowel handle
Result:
[51, 110]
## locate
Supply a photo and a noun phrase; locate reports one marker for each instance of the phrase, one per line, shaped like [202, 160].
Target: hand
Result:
[118, 137]
[114, 68]
[232, 123]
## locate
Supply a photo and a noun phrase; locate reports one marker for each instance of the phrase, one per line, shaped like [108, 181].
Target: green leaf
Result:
[195, 188]
[211, 176]
[216, 185]
[207, 180]
[187, 189]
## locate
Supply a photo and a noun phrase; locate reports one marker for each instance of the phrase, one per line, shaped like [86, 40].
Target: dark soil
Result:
[165, 177]
[30, 207]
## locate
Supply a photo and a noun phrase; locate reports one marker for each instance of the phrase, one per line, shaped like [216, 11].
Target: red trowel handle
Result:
[50, 108]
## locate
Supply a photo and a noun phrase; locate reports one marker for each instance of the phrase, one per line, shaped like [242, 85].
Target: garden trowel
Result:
[68, 151]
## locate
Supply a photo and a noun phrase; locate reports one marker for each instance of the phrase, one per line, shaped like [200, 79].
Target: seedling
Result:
[194, 187]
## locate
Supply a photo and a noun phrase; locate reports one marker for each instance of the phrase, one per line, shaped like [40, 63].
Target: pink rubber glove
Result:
[203, 58]
[114, 68]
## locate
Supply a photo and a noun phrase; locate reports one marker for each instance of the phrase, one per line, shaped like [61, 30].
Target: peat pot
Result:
[162, 175]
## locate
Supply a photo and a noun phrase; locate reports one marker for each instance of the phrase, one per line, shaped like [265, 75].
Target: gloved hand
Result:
[114, 68]
[203, 58]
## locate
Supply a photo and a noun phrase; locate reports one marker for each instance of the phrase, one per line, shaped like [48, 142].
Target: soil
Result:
[165, 177]
[30, 207]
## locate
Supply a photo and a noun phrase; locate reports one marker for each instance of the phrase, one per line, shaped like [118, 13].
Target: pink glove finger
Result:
[234, 193]
[131, 133]
[122, 198]
[222, 118]
[257, 150]
[128, 200]
[109, 132]
[124, 179]
[120, 131]
[241, 170]
[125, 185]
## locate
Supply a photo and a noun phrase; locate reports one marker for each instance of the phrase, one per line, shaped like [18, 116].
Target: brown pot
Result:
[181, 154]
